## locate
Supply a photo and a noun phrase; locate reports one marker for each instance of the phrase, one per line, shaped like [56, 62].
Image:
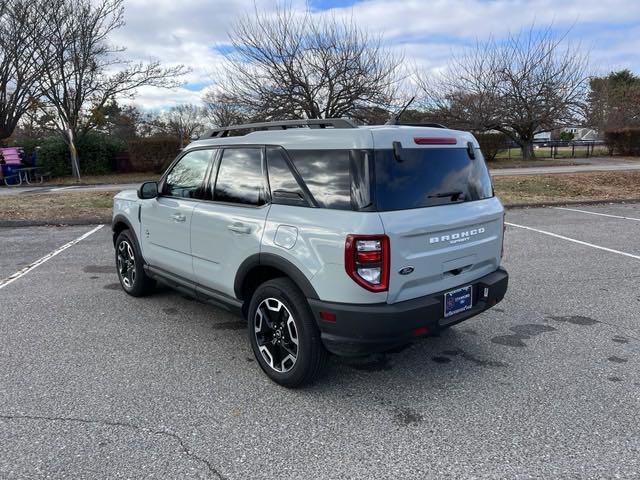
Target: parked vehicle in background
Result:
[327, 237]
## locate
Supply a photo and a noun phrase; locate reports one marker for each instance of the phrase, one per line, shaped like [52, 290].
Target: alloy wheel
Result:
[126, 264]
[276, 335]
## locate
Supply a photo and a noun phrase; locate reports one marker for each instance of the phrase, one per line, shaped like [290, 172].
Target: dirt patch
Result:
[134, 177]
[57, 207]
[588, 186]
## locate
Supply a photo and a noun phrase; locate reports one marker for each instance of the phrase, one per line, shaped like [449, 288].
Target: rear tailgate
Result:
[446, 246]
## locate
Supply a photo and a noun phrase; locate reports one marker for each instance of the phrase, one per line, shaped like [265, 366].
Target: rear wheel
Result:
[283, 334]
[131, 274]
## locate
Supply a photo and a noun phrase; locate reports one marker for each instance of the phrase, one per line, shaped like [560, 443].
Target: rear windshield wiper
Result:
[455, 195]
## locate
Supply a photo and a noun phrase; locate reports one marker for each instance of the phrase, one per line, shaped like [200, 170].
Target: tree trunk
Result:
[527, 150]
[75, 164]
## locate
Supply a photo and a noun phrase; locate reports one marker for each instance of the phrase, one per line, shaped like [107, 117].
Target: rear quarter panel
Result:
[318, 249]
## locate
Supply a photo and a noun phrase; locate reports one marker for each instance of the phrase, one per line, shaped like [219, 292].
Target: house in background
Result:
[579, 133]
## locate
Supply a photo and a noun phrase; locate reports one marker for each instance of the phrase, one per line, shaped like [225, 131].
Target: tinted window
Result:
[284, 186]
[361, 178]
[240, 177]
[429, 176]
[186, 177]
[326, 174]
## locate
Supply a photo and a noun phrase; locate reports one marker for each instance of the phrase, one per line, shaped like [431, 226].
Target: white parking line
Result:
[48, 256]
[580, 242]
[597, 213]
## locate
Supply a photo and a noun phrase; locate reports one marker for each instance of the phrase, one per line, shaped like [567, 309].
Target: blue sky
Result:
[427, 32]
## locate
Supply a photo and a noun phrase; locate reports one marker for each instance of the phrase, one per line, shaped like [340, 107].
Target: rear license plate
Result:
[458, 300]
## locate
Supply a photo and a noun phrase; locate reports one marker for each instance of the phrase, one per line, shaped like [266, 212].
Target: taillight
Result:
[366, 260]
[435, 140]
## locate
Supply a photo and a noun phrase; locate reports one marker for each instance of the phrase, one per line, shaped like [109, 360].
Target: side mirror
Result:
[148, 190]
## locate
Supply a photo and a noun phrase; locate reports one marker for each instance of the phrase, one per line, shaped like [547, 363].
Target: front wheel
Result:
[131, 274]
[283, 334]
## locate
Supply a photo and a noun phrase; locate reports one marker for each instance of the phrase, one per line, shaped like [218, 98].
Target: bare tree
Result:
[20, 61]
[223, 110]
[185, 121]
[84, 70]
[529, 83]
[289, 64]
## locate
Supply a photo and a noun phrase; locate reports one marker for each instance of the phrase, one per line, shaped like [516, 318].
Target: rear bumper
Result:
[368, 328]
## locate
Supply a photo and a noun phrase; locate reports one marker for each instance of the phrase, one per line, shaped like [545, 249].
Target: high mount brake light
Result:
[435, 140]
[366, 261]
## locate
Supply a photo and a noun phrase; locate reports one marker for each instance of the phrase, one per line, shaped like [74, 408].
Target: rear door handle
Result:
[178, 217]
[239, 228]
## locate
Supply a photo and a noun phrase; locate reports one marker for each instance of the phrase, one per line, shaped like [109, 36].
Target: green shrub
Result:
[96, 153]
[491, 144]
[623, 141]
[53, 157]
[152, 154]
[566, 136]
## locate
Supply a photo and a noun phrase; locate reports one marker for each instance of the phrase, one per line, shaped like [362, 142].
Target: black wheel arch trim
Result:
[119, 218]
[275, 261]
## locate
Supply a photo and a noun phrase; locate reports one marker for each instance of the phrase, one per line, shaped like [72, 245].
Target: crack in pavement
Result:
[111, 423]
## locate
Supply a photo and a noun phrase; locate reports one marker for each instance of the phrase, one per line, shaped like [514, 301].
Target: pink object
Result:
[11, 155]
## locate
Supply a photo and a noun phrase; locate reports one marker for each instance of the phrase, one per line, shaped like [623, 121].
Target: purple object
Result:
[11, 155]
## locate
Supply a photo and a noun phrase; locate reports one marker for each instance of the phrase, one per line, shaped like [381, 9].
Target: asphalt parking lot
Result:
[94, 383]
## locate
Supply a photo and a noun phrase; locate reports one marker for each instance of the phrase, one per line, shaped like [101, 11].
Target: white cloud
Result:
[187, 32]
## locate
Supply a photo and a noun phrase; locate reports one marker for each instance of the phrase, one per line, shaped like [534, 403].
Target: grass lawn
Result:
[58, 207]
[135, 177]
[532, 189]
[498, 163]
[568, 187]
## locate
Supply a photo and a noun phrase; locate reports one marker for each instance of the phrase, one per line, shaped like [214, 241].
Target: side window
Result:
[187, 176]
[240, 178]
[285, 189]
[327, 176]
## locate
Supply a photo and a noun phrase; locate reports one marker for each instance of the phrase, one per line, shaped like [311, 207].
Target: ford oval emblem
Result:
[405, 270]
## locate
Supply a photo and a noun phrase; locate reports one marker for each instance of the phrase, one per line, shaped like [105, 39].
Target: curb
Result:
[515, 206]
[55, 223]
[107, 220]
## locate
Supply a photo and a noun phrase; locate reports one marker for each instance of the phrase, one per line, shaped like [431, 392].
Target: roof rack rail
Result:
[281, 125]
[433, 125]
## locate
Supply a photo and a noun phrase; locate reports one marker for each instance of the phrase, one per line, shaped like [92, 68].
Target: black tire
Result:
[311, 356]
[131, 274]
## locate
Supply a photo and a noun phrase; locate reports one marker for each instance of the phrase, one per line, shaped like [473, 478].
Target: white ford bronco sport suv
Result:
[326, 236]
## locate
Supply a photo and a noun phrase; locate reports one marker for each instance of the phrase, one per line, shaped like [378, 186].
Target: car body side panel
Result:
[318, 248]
[126, 204]
[167, 241]
[217, 249]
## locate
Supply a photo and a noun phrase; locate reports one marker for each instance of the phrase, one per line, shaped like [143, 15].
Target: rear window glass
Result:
[284, 187]
[326, 174]
[337, 179]
[427, 177]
